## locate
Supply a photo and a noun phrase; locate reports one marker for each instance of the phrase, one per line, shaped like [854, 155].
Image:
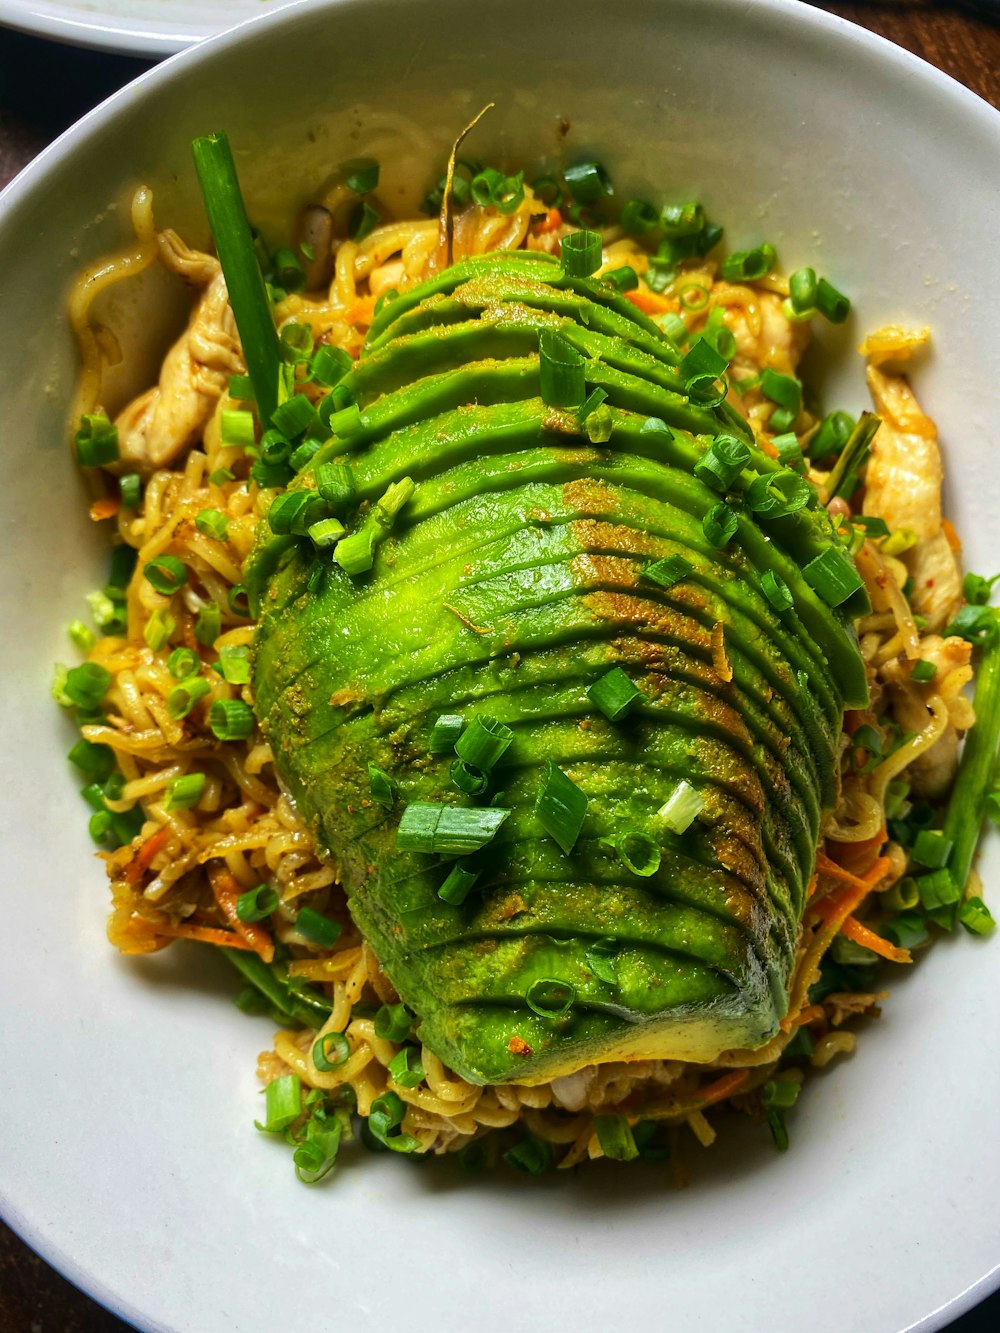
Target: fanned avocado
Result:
[513, 579]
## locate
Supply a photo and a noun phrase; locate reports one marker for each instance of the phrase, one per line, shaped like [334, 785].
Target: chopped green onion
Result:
[363, 221]
[684, 220]
[834, 432]
[832, 575]
[589, 183]
[719, 524]
[104, 611]
[212, 523]
[99, 825]
[295, 415]
[776, 590]
[82, 635]
[182, 698]
[288, 271]
[899, 541]
[788, 449]
[406, 1069]
[484, 742]
[282, 1104]
[185, 792]
[330, 1051]
[775, 494]
[938, 889]
[183, 662]
[295, 512]
[978, 624]
[428, 826]
[668, 571]
[843, 475]
[776, 1096]
[361, 174]
[445, 732]
[615, 1137]
[601, 960]
[531, 1155]
[931, 849]
[130, 487]
[702, 358]
[383, 788]
[231, 719]
[599, 425]
[329, 365]
[871, 525]
[581, 253]
[208, 626]
[384, 1119]
[785, 390]
[318, 929]
[236, 428]
[467, 778]
[975, 916]
[561, 370]
[722, 462]
[549, 997]
[86, 685]
[683, 807]
[159, 627]
[220, 476]
[393, 1022]
[240, 388]
[166, 573]
[560, 807]
[327, 532]
[335, 483]
[625, 278]
[457, 885]
[637, 851]
[256, 904]
[356, 554]
[547, 190]
[96, 762]
[802, 291]
[238, 600]
[638, 218]
[748, 265]
[615, 694]
[96, 441]
[831, 303]
[976, 590]
[396, 496]
[234, 664]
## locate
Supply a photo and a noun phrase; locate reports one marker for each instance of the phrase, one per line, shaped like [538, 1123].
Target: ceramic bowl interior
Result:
[127, 1152]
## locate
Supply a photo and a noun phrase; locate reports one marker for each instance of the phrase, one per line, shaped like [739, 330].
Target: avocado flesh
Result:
[511, 582]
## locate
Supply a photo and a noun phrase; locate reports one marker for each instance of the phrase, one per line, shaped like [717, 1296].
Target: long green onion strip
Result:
[227, 216]
[305, 1006]
[967, 804]
[317, 928]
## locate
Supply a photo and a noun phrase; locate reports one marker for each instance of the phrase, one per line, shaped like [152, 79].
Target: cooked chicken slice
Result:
[160, 424]
[904, 487]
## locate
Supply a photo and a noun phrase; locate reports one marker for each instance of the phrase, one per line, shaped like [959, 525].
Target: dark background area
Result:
[44, 88]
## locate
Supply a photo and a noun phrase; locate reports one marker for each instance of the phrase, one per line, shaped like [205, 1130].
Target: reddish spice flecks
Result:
[518, 1046]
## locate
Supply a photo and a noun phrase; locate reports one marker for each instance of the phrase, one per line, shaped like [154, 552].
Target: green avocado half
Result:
[513, 579]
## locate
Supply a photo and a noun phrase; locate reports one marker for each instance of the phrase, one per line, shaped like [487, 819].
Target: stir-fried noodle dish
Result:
[554, 715]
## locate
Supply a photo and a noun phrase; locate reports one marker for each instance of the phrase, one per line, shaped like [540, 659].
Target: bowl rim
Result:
[18, 195]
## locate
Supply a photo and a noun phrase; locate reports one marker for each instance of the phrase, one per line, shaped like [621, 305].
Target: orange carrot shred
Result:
[860, 934]
[207, 935]
[650, 303]
[834, 907]
[552, 221]
[811, 1013]
[226, 889]
[143, 858]
[105, 508]
[723, 1087]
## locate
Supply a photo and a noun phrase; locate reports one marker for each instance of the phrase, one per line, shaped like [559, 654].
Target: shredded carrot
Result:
[207, 935]
[811, 886]
[858, 857]
[650, 303]
[226, 889]
[552, 221]
[723, 1087]
[834, 907]
[951, 536]
[105, 508]
[860, 934]
[143, 858]
[812, 1013]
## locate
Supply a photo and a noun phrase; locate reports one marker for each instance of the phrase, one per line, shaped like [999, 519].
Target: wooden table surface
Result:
[44, 87]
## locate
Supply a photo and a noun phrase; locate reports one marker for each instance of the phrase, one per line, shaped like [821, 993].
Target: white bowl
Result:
[126, 1151]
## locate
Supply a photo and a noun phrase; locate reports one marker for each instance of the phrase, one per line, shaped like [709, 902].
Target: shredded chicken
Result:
[903, 486]
[156, 428]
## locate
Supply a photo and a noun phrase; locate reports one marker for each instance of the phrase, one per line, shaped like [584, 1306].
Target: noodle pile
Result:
[183, 873]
